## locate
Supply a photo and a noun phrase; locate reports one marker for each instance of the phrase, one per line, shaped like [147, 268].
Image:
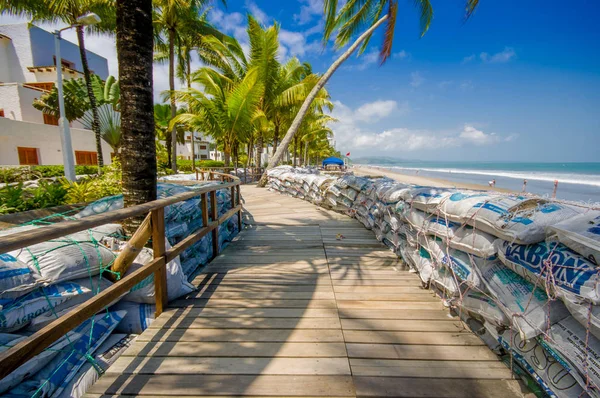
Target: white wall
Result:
[44, 137]
[9, 101]
[19, 53]
[5, 75]
[28, 112]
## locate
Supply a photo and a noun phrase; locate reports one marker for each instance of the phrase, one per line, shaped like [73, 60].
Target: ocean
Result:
[576, 181]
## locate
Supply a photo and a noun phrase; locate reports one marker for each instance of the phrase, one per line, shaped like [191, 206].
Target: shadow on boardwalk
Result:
[293, 309]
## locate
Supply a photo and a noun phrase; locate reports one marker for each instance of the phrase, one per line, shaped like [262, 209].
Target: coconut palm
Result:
[67, 11]
[354, 17]
[138, 149]
[173, 20]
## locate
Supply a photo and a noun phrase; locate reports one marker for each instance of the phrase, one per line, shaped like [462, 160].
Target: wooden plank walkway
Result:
[289, 310]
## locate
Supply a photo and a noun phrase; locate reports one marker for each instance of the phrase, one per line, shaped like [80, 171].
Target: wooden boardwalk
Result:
[289, 310]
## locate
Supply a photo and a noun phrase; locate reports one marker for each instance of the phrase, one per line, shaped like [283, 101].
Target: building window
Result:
[28, 156]
[51, 120]
[203, 157]
[86, 157]
[65, 63]
[2, 113]
[203, 147]
[47, 86]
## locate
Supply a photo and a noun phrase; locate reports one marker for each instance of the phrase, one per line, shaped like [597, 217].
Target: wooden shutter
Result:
[51, 120]
[86, 158]
[28, 156]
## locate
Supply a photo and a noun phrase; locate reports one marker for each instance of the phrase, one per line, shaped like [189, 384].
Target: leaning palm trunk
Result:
[285, 142]
[90, 91]
[172, 98]
[259, 148]
[135, 49]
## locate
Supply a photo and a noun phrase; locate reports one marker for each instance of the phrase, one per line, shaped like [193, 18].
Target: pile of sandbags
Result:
[42, 282]
[523, 268]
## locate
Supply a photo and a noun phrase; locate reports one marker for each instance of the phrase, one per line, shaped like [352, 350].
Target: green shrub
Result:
[185, 165]
[211, 163]
[29, 173]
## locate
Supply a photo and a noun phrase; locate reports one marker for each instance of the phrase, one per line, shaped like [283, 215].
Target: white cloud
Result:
[468, 59]
[354, 133]
[466, 85]
[416, 79]
[400, 55]
[308, 10]
[373, 111]
[499, 58]
[259, 14]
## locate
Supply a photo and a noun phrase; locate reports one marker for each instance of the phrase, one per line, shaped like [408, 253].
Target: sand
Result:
[419, 180]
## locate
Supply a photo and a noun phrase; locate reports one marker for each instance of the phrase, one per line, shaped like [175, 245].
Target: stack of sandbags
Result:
[524, 267]
[42, 282]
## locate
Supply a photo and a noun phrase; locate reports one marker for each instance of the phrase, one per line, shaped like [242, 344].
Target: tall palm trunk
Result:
[276, 136]
[90, 92]
[135, 51]
[295, 149]
[172, 98]
[189, 86]
[259, 148]
[306, 153]
[285, 142]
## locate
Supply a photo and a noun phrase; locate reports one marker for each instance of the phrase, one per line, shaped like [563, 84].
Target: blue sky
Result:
[519, 81]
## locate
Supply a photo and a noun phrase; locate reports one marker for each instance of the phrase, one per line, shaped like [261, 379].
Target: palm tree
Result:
[67, 11]
[162, 120]
[353, 18]
[174, 19]
[135, 49]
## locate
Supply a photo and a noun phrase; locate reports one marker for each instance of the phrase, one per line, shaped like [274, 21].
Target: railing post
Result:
[158, 247]
[239, 200]
[215, 217]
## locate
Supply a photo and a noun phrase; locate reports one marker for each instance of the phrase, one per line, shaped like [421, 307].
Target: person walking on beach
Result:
[492, 183]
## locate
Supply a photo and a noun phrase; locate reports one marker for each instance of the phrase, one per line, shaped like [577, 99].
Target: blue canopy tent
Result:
[332, 161]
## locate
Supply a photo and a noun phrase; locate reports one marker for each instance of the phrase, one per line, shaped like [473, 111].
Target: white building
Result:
[201, 147]
[27, 70]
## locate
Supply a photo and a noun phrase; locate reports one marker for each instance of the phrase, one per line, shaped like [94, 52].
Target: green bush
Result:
[211, 163]
[29, 173]
[185, 166]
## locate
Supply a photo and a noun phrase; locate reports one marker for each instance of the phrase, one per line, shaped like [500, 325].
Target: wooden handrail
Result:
[153, 226]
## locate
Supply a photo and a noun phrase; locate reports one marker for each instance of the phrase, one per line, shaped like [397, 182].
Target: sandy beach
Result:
[420, 180]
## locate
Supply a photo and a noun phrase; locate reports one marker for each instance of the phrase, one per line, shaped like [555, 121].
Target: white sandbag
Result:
[519, 219]
[92, 286]
[570, 271]
[581, 234]
[442, 227]
[16, 278]
[580, 309]
[484, 305]
[550, 374]
[53, 378]
[34, 364]
[444, 280]
[428, 198]
[143, 292]
[17, 313]
[462, 264]
[72, 256]
[568, 340]
[524, 305]
[100, 206]
[473, 241]
[137, 318]
[421, 260]
[456, 206]
[465, 266]
[349, 193]
[396, 193]
[418, 220]
[106, 354]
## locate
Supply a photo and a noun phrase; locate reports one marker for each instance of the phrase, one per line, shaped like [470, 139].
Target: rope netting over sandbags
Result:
[521, 271]
[42, 282]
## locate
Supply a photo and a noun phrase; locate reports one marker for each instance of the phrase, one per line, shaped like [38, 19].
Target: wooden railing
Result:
[152, 227]
[250, 174]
